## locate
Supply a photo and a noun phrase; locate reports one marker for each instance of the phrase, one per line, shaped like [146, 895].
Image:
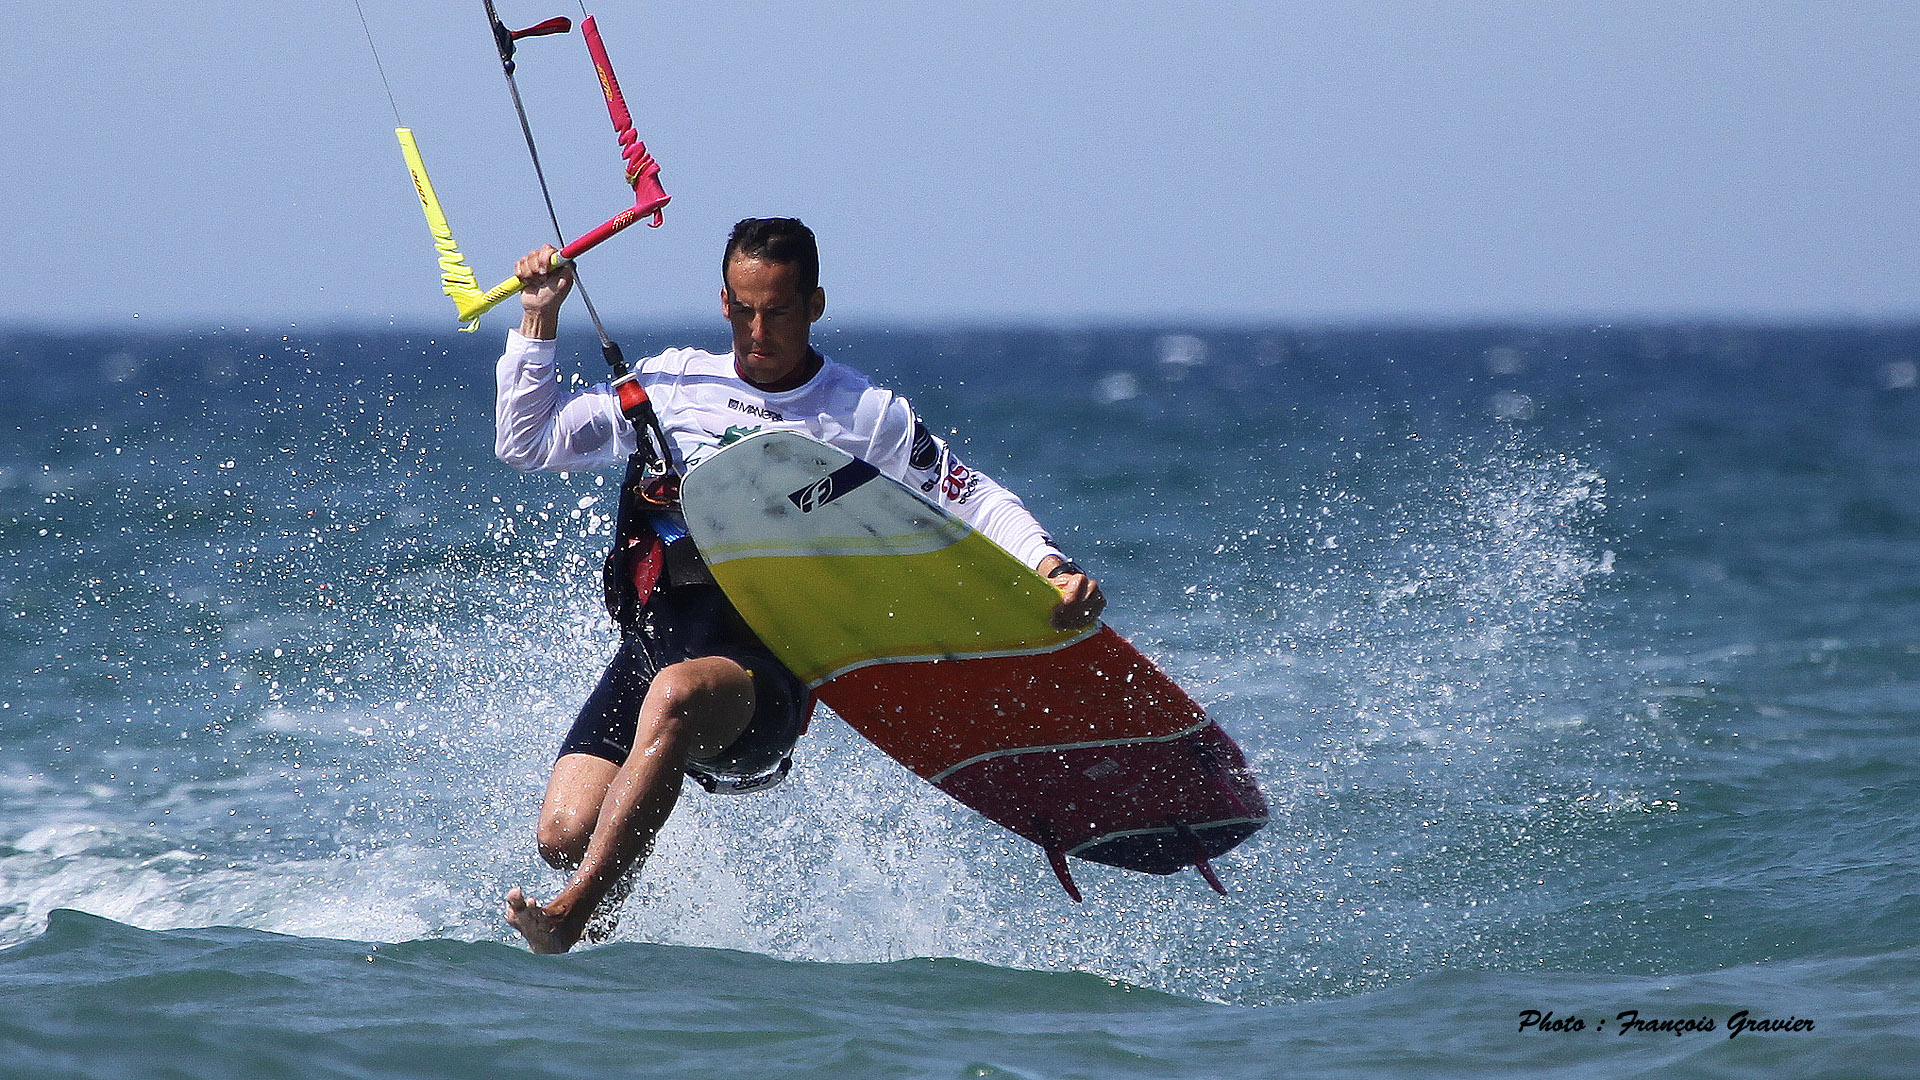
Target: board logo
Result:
[813, 496]
[832, 486]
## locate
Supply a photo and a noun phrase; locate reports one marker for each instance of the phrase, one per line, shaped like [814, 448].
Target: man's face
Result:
[771, 318]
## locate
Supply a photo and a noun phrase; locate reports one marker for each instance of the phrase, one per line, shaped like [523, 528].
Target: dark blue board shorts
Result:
[684, 623]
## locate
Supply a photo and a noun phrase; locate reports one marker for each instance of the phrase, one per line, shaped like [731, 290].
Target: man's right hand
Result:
[545, 287]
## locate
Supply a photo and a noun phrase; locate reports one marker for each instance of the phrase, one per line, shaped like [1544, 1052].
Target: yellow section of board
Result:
[966, 599]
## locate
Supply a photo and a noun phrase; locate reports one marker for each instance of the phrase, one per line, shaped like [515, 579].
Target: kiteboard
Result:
[934, 643]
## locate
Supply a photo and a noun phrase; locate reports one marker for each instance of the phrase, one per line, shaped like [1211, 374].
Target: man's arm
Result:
[904, 448]
[537, 425]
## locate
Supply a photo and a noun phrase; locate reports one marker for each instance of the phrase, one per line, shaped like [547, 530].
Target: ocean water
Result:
[1580, 664]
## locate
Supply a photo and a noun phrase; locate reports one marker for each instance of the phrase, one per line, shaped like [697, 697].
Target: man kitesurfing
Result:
[691, 691]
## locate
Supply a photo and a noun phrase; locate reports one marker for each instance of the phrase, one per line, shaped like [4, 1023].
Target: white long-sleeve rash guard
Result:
[703, 405]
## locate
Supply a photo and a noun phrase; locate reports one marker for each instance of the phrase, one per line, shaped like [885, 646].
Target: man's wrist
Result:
[539, 325]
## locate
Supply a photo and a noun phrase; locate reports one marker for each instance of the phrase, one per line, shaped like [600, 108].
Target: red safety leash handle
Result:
[559, 24]
[642, 171]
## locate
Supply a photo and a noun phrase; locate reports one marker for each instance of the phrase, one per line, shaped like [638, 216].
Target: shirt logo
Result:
[760, 411]
[959, 483]
[926, 449]
[732, 435]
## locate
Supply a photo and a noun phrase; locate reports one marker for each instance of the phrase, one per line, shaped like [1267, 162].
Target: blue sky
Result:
[1055, 161]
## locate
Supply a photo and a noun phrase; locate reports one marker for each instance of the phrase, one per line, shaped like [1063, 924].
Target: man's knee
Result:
[703, 703]
[563, 836]
[691, 688]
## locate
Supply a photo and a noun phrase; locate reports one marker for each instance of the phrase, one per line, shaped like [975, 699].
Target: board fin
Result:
[1200, 862]
[1057, 858]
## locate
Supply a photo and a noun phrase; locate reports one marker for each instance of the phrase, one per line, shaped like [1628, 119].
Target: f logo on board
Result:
[831, 486]
[814, 496]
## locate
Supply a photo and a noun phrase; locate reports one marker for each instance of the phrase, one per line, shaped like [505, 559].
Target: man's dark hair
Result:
[778, 240]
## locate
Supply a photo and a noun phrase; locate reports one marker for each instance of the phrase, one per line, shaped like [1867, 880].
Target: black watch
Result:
[1067, 567]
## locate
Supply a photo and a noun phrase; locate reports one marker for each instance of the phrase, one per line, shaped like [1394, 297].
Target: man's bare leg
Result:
[575, 790]
[694, 708]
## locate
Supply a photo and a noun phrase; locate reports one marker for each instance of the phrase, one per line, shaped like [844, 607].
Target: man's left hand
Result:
[1081, 600]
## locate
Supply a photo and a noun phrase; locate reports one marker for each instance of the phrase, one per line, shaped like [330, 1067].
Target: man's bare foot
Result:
[545, 932]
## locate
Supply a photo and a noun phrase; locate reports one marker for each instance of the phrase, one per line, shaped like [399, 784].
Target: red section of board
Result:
[933, 715]
[1153, 807]
[1089, 750]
